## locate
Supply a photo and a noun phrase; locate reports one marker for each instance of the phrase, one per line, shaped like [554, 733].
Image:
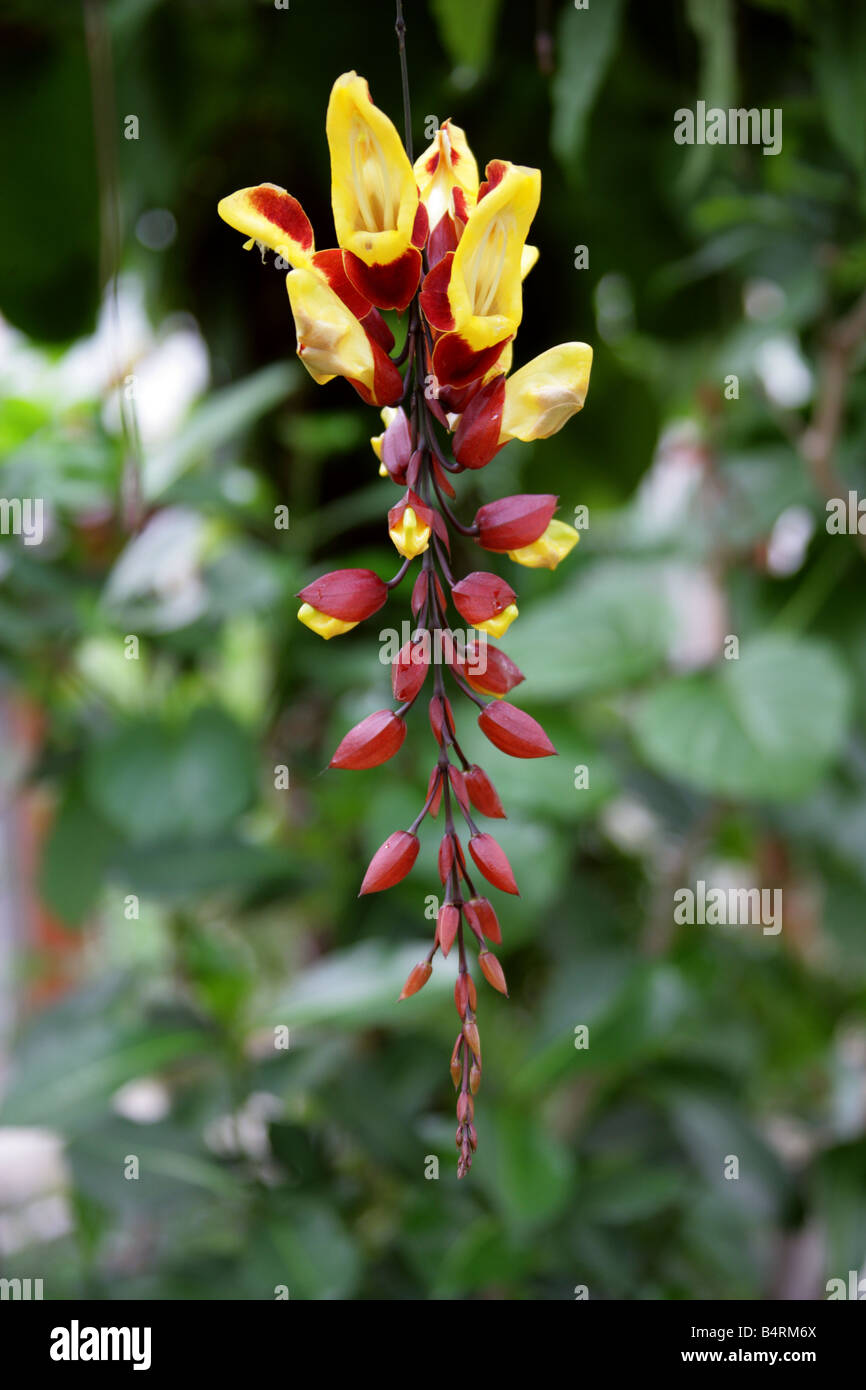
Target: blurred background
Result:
[167, 903]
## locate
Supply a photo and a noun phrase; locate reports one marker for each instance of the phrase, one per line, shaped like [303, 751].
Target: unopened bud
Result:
[470, 1033]
[418, 977]
[465, 1107]
[493, 972]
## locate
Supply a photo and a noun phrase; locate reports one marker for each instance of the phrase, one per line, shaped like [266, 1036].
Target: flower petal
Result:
[270, 215]
[373, 190]
[543, 395]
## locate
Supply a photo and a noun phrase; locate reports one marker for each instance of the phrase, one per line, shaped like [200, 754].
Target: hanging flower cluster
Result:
[434, 240]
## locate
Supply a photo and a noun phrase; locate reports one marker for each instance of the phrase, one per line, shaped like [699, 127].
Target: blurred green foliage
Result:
[305, 1166]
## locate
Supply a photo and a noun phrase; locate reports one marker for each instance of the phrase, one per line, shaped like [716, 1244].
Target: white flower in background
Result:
[789, 541]
[161, 372]
[33, 1185]
[700, 616]
[164, 382]
[157, 578]
[763, 300]
[785, 374]
[145, 1101]
[663, 501]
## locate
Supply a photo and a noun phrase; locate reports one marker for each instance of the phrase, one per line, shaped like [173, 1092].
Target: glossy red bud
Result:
[350, 595]
[419, 593]
[418, 977]
[488, 670]
[513, 522]
[446, 857]
[434, 804]
[409, 670]
[447, 922]
[492, 971]
[391, 862]
[483, 794]
[458, 783]
[476, 439]
[514, 731]
[493, 862]
[440, 711]
[481, 596]
[482, 919]
[373, 741]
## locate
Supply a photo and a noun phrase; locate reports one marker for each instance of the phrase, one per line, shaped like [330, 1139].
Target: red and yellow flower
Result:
[453, 251]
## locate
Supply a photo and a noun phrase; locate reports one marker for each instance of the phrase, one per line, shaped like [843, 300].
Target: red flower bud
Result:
[419, 593]
[391, 862]
[456, 1067]
[476, 439]
[512, 522]
[482, 919]
[481, 596]
[408, 671]
[493, 862]
[474, 1078]
[373, 741]
[425, 516]
[493, 972]
[465, 1108]
[514, 731]
[418, 977]
[470, 1033]
[461, 992]
[483, 794]
[458, 782]
[434, 804]
[447, 922]
[499, 674]
[350, 595]
[442, 477]
[397, 446]
[446, 857]
[440, 710]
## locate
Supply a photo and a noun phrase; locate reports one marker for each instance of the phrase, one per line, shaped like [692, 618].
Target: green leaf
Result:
[608, 629]
[68, 1078]
[48, 277]
[153, 782]
[839, 58]
[467, 31]
[308, 1250]
[586, 42]
[75, 858]
[766, 725]
[532, 1172]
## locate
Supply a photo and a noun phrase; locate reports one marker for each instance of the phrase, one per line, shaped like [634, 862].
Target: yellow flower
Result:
[323, 623]
[332, 341]
[484, 291]
[447, 164]
[373, 195]
[552, 546]
[411, 535]
[267, 214]
[541, 396]
[498, 626]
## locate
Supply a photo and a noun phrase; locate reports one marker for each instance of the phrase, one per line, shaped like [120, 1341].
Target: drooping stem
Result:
[400, 26]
